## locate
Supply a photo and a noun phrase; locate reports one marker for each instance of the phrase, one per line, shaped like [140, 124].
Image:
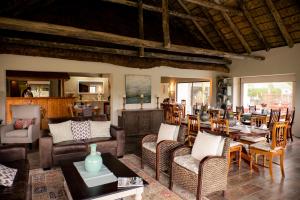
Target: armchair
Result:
[200, 177]
[30, 135]
[158, 156]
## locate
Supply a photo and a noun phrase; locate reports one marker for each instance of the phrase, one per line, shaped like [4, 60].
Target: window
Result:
[275, 94]
[194, 93]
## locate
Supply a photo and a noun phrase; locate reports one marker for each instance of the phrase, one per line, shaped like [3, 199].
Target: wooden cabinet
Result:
[50, 107]
[138, 123]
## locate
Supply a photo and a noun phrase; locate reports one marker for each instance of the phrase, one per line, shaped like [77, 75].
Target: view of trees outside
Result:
[275, 94]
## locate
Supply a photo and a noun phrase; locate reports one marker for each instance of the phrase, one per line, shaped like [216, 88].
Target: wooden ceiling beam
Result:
[78, 33]
[197, 25]
[165, 23]
[157, 9]
[76, 47]
[141, 25]
[215, 6]
[211, 21]
[254, 26]
[280, 23]
[237, 32]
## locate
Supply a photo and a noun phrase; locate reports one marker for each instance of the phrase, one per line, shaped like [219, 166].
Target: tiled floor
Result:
[242, 185]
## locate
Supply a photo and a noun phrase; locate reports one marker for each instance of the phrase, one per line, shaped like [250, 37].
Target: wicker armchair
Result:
[207, 176]
[160, 154]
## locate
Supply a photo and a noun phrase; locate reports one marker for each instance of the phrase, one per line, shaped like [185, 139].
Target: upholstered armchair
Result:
[158, 155]
[201, 177]
[28, 135]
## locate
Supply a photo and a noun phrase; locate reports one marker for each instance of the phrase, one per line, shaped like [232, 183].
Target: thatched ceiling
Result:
[239, 27]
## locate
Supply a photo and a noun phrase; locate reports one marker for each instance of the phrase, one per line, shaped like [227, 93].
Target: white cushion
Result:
[100, 129]
[263, 146]
[205, 145]
[7, 175]
[188, 162]
[234, 144]
[253, 139]
[61, 131]
[167, 132]
[151, 146]
[221, 147]
[17, 133]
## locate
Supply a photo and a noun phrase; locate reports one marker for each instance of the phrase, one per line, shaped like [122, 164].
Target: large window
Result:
[194, 93]
[274, 94]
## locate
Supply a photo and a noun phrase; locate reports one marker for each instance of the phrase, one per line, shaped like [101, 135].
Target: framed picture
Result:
[135, 86]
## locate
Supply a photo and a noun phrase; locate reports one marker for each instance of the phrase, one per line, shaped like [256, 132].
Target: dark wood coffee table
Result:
[77, 189]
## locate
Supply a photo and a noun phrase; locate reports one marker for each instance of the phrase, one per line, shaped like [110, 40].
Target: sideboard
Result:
[137, 123]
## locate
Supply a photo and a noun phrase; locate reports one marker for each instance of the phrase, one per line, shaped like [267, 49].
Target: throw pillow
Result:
[7, 175]
[167, 132]
[205, 145]
[100, 129]
[61, 131]
[81, 130]
[23, 123]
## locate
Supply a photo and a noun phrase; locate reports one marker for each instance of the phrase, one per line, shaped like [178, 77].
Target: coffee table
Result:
[76, 188]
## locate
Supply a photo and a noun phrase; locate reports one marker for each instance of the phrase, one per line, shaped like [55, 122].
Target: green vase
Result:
[93, 162]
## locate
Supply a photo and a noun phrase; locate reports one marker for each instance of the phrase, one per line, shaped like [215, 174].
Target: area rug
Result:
[49, 184]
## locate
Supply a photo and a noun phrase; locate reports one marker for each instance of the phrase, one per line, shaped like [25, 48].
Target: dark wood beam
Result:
[158, 9]
[141, 25]
[211, 21]
[165, 23]
[280, 23]
[133, 62]
[197, 25]
[78, 33]
[253, 25]
[236, 32]
[94, 49]
[215, 6]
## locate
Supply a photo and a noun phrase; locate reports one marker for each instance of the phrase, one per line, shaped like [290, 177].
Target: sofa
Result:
[15, 157]
[52, 154]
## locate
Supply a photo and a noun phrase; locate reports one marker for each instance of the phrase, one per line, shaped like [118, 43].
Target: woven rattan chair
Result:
[209, 176]
[159, 157]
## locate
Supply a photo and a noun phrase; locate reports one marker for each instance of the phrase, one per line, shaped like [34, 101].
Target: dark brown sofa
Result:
[51, 154]
[15, 157]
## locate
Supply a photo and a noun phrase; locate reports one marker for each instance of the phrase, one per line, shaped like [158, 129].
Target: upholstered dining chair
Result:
[201, 177]
[156, 154]
[276, 148]
[192, 129]
[23, 135]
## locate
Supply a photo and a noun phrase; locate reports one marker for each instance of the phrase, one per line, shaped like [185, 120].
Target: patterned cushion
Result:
[188, 162]
[263, 146]
[7, 175]
[150, 146]
[17, 133]
[81, 130]
[23, 123]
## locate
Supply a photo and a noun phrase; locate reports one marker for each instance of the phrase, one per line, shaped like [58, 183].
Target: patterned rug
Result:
[49, 184]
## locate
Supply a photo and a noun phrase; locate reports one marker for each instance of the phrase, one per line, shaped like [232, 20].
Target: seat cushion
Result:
[263, 146]
[188, 162]
[17, 133]
[206, 145]
[253, 139]
[69, 147]
[151, 146]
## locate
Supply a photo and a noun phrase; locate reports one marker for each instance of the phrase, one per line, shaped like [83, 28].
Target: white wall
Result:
[17, 62]
[281, 60]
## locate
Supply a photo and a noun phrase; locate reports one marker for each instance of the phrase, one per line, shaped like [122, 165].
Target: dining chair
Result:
[193, 128]
[220, 126]
[258, 120]
[215, 114]
[275, 148]
[176, 114]
[252, 109]
[274, 117]
[71, 110]
[290, 116]
[239, 109]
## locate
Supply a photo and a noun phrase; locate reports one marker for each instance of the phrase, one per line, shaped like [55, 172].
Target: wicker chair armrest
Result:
[213, 171]
[166, 147]
[149, 138]
[181, 151]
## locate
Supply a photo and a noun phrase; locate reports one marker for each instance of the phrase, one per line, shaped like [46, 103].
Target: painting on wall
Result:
[135, 86]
